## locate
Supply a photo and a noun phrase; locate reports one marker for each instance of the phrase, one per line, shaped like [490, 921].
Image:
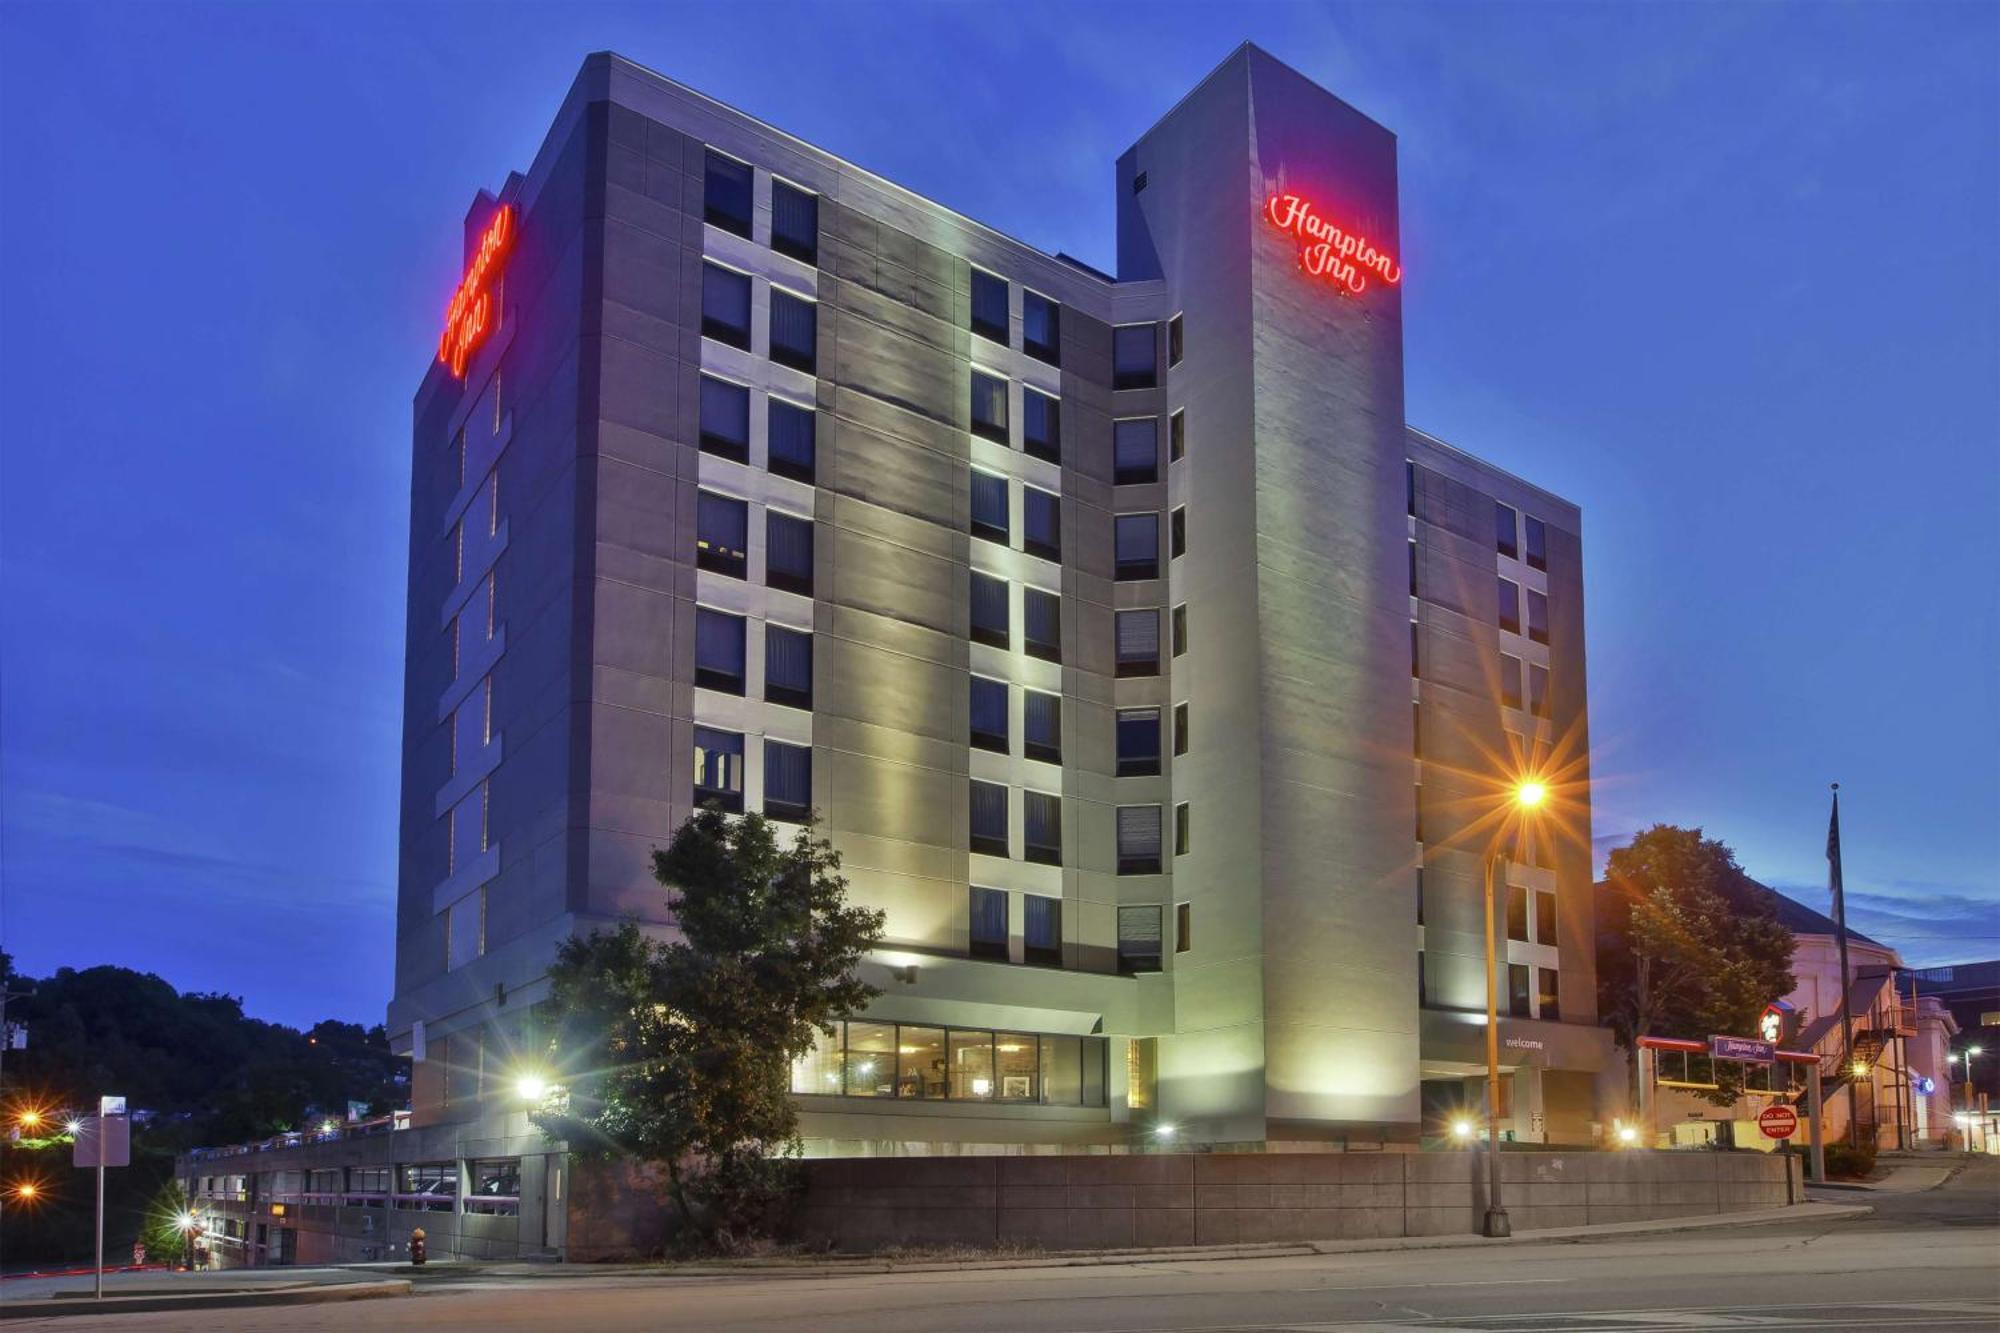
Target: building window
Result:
[1041, 425]
[1538, 616]
[1545, 917]
[496, 1186]
[1138, 742]
[1413, 566]
[795, 222]
[1138, 634]
[1510, 681]
[1417, 730]
[1517, 990]
[725, 419]
[1183, 821]
[869, 1069]
[788, 781]
[1041, 930]
[1177, 532]
[1174, 347]
[937, 1064]
[793, 452]
[718, 768]
[722, 534]
[989, 611]
[1136, 541]
[1410, 487]
[989, 715]
[1138, 939]
[1538, 691]
[1420, 895]
[989, 507]
[788, 553]
[1177, 436]
[989, 818]
[989, 407]
[1416, 638]
[725, 305]
[1183, 927]
[1538, 544]
[1504, 525]
[1138, 839]
[1420, 811]
[788, 666]
[1517, 913]
[1509, 597]
[1548, 1000]
[1180, 629]
[794, 331]
[1041, 327]
[718, 650]
[726, 193]
[1135, 450]
[1134, 357]
[1180, 728]
[989, 306]
[1041, 523]
[989, 924]
[1041, 826]
[1041, 726]
[428, 1186]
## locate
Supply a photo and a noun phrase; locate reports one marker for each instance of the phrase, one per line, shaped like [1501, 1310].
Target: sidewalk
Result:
[1896, 1180]
[136, 1292]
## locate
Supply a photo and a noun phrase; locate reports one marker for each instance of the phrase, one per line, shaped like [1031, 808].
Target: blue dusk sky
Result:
[1726, 275]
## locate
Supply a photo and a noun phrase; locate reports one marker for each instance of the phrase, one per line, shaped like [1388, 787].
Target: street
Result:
[1924, 1261]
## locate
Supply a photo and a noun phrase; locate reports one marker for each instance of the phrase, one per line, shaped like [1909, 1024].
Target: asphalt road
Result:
[1923, 1261]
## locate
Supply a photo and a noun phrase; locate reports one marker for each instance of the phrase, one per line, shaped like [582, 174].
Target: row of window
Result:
[1138, 828]
[1137, 731]
[1509, 526]
[718, 775]
[725, 429]
[1531, 991]
[725, 317]
[493, 1185]
[1041, 936]
[1041, 317]
[923, 1062]
[719, 658]
[728, 194]
[722, 543]
[1509, 607]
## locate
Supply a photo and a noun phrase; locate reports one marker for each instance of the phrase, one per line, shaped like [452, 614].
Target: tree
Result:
[1688, 945]
[679, 1052]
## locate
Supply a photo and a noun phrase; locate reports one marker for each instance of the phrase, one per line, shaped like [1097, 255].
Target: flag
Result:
[1833, 856]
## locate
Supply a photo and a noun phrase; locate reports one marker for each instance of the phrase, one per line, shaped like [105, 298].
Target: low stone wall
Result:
[1227, 1198]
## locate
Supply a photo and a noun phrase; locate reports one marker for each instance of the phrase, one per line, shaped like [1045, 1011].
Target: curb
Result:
[219, 1300]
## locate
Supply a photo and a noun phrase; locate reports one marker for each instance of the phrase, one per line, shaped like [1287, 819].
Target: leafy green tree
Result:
[1688, 945]
[679, 1052]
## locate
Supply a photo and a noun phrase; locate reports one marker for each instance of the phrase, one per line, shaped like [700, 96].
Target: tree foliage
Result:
[679, 1052]
[1688, 945]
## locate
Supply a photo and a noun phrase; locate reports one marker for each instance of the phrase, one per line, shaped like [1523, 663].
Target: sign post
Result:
[102, 1140]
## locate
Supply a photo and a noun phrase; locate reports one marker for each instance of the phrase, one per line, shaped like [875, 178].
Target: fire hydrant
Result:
[419, 1251]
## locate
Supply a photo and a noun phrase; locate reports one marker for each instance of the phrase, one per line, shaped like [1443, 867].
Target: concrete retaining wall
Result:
[1227, 1198]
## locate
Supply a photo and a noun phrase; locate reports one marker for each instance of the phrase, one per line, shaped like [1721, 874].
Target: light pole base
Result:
[1497, 1224]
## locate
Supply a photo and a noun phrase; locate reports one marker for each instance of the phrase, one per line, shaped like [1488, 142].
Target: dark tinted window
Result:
[788, 666]
[1183, 828]
[989, 818]
[1509, 601]
[989, 306]
[1545, 917]
[1177, 436]
[794, 222]
[1134, 359]
[1041, 930]
[1138, 839]
[793, 452]
[1041, 523]
[1041, 827]
[989, 924]
[1538, 616]
[989, 407]
[718, 650]
[1138, 642]
[1180, 629]
[989, 611]
[1538, 691]
[1510, 681]
[1174, 348]
[1517, 913]
[722, 534]
[1517, 990]
[794, 331]
[1041, 425]
[1181, 737]
[1538, 544]
[725, 419]
[1138, 938]
[1041, 726]
[726, 193]
[1135, 450]
[1177, 532]
[1041, 622]
[788, 555]
[1551, 1001]
[1138, 742]
[787, 781]
[1041, 327]
[725, 305]
[989, 507]
[718, 768]
[989, 715]
[1503, 530]
[1136, 538]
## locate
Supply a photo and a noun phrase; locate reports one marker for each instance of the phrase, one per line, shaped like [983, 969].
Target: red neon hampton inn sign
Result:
[471, 316]
[1347, 259]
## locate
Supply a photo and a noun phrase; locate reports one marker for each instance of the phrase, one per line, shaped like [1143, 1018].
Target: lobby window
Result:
[1181, 729]
[726, 193]
[1041, 726]
[1538, 543]
[971, 1065]
[1041, 523]
[1183, 927]
[1183, 828]
[1041, 327]
[725, 419]
[725, 305]
[989, 407]
[718, 650]
[1041, 827]
[1538, 616]
[989, 715]
[989, 306]
[1504, 526]
[722, 534]
[1135, 360]
[1138, 839]
[1545, 917]
[1177, 436]
[1538, 691]
[1517, 990]
[1548, 1000]
[1509, 602]
[794, 331]
[989, 924]
[1041, 425]
[989, 507]
[870, 1067]
[1136, 541]
[1041, 930]
[989, 611]
[788, 553]
[989, 818]
[788, 666]
[1138, 939]
[793, 449]
[919, 1062]
[1041, 624]
[795, 222]
[1138, 742]
[1135, 450]
[1138, 634]
[1510, 681]
[1177, 533]
[718, 768]
[788, 781]
[1174, 343]
[1180, 630]
[1517, 913]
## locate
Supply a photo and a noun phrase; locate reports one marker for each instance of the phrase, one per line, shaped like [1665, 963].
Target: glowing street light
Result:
[1628, 1135]
[1461, 1129]
[1165, 1131]
[531, 1087]
[31, 1118]
[1524, 797]
[72, 1126]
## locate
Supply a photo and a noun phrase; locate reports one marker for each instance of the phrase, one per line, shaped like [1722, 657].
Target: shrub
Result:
[1849, 1161]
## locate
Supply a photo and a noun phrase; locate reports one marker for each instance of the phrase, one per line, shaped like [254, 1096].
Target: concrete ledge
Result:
[213, 1300]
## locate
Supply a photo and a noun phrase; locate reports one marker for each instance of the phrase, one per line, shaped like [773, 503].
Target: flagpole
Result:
[1846, 978]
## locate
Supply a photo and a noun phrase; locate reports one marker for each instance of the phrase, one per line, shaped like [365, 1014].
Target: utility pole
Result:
[1846, 978]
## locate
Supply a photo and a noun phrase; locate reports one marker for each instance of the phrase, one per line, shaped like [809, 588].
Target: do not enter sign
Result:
[1778, 1122]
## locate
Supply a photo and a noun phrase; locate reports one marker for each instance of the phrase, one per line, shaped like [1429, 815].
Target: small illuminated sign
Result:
[1775, 1023]
[1742, 1048]
[471, 314]
[1329, 251]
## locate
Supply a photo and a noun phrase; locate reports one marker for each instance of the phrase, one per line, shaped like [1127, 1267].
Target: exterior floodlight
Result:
[185, 1221]
[1975, 1050]
[1530, 794]
[1628, 1134]
[72, 1127]
[1164, 1131]
[1860, 1069]
[31, 1119]
[27, 1189]
[1461, 1129]
[531, 1087]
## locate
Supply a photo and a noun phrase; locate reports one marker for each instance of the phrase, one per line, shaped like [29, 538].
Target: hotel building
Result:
[1157, 680]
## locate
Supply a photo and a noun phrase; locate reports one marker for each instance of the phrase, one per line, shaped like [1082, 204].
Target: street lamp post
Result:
[1526, 797]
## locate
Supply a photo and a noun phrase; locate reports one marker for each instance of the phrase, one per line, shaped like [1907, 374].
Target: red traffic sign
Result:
[1778, 1122]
